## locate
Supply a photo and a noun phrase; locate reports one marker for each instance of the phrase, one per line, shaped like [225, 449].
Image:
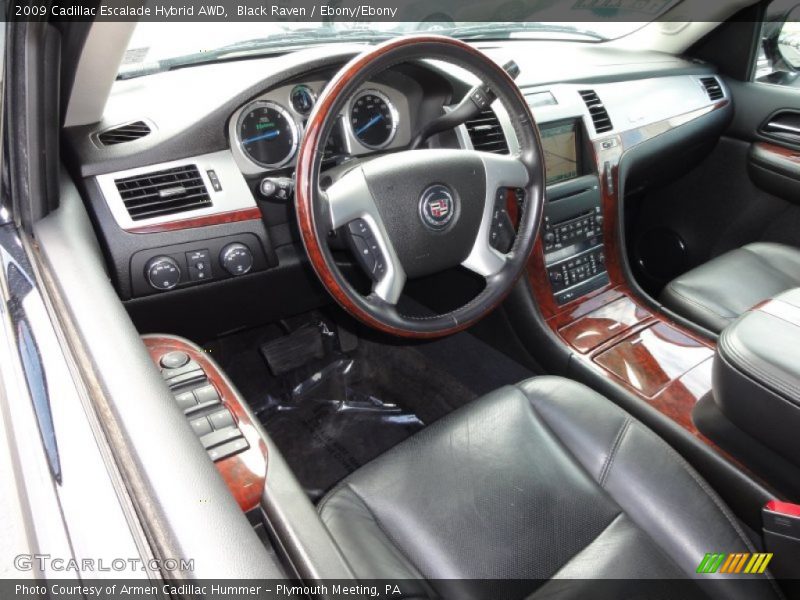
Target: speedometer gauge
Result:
[268, 134]
[373, 119]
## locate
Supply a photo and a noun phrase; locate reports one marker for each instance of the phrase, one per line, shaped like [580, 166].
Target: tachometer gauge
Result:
[268, 134]
[373, 119]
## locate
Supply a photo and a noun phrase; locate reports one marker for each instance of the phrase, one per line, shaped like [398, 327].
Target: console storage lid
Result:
[756, 375]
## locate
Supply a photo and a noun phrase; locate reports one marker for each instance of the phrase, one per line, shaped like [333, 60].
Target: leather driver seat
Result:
[539, 482]
[717, 292]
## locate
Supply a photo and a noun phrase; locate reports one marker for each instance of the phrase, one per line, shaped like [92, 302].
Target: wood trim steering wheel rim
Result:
[309, 160]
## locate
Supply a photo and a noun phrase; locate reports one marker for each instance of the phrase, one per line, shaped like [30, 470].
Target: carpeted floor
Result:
[342, 409]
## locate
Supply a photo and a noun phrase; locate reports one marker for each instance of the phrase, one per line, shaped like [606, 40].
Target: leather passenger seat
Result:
[717, 292]
[535, 490]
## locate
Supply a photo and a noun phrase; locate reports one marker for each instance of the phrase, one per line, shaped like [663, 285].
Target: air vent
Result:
[602, 122]
[163, 192]
[713, 88]
[123, 133]
[487, 134]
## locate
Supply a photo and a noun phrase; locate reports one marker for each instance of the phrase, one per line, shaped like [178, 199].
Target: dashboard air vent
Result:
[713, 88]
[163, 192]
[487, 134]
[602, 122]
[123, 133]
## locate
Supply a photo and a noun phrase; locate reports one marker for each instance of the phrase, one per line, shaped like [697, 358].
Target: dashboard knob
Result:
[162, 272]
[549, 238]
[236, 259]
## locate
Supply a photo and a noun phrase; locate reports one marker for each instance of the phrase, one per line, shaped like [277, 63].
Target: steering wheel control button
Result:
[174, 360]
[366, 249]
[229, 449]
[437, 207]
[501, 232]
[200, 426]
[236, 259]
[199, 263]
[163, 273]
[221, 419]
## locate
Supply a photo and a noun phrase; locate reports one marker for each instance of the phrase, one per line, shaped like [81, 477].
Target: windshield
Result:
[157, 46]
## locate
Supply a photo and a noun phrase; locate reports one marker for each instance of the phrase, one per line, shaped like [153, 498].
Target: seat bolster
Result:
[369, 550]
[647, 478]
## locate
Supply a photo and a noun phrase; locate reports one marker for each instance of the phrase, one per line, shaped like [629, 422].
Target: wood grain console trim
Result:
[244, 473]
[785, 153]
[612, 330]
[233, 216]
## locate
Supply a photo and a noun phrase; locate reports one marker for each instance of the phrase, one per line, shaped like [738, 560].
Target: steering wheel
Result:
[422, 211]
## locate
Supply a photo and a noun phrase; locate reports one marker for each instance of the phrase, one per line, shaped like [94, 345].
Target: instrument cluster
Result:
[265, 133]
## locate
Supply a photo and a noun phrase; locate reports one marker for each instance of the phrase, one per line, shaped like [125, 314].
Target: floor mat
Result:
[338, 412]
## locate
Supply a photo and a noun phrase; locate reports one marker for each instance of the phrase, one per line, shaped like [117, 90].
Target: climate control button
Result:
[163, 273]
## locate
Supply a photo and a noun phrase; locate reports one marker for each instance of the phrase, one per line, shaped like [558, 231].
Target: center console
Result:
[572, 225]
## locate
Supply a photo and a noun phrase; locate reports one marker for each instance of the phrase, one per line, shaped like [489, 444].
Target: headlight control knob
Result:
[236, 259]
[162, 272]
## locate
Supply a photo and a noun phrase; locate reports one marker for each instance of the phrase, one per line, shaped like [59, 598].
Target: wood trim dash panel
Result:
[244, 473]
[233, 216]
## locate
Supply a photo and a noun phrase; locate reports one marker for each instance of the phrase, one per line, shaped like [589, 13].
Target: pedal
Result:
[348, 341]
[294, 350]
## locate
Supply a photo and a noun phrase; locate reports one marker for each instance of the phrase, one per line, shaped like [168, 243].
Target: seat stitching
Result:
[717, 502]
[686, 467]
[785, 387]
[613, 452]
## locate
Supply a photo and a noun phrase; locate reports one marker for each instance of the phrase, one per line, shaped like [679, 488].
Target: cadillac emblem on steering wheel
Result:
[437, 207]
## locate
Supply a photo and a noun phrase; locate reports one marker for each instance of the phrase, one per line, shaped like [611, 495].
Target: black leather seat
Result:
[715, 293]
[540, 482]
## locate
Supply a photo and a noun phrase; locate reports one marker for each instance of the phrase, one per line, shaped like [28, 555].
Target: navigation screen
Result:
[560, 145]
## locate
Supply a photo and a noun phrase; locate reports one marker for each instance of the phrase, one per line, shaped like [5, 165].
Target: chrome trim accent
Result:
[354, 148]
[782, 127]
[313, 94]
[392, 110]
[501, 171]
[349, 199]
[235, 193]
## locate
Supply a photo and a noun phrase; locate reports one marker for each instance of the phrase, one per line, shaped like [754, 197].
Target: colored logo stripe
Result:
[734, 563]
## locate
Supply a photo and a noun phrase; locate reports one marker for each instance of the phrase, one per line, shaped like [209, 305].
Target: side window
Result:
[778, 60]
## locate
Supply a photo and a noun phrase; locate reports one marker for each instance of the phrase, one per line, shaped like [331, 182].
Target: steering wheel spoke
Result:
[501, 172]
[420, 211]
[350, 203]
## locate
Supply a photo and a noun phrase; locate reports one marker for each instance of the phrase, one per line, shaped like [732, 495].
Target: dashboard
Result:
[182, 218]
